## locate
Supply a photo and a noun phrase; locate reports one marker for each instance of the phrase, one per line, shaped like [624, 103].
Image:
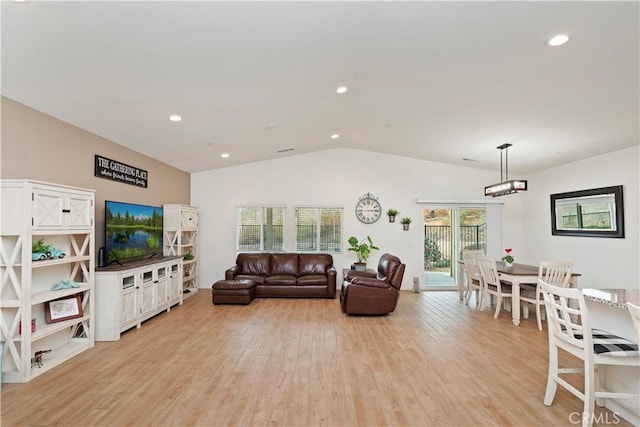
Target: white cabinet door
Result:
[162, 293]
[129, 309]
[148, 296]
[162, 284]
[47, 209]
[189, 218]
[175, 285]
[79, 207]
[59, 210]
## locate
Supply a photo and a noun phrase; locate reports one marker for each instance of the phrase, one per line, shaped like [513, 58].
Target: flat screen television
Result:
[132, 231]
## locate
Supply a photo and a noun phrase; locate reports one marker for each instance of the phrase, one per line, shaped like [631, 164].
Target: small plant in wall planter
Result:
[405, 223]
[392, 213]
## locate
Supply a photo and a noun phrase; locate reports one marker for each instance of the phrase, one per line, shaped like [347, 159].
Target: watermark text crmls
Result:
[603, 418]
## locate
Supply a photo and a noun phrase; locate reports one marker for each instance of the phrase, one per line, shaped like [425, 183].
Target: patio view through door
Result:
[447, 232]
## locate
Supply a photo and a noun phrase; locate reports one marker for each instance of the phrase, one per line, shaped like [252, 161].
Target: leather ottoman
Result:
[233, 291]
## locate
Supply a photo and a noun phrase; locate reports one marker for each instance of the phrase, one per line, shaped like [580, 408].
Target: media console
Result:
[129, 294]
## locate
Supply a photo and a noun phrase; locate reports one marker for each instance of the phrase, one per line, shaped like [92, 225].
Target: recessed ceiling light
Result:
[335, 136]
[341, 89]
[224, 155]
[175, 118]
[558, 40]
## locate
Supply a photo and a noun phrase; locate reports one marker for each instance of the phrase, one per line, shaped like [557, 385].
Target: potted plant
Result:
[392, 214]
[362, 249]
[188, 256]
[41, 251]
[405, 223]
[508, 258]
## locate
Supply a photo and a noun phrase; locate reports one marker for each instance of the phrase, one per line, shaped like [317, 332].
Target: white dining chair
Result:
[634, 310]
[557, 273]
[492, 285]
[474, 278]
[570, 329]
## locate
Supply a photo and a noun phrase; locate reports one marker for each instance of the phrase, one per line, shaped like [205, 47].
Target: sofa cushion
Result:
[280, 279]
[314, 263]
[256, 279]
[312, 279]
[284, 264]
[253, 264]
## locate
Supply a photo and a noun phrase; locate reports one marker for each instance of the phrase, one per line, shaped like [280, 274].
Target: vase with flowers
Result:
[508, 258]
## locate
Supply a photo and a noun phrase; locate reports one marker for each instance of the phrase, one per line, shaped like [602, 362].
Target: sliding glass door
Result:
[447, 232]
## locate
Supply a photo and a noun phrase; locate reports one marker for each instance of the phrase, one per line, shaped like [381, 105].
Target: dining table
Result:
[516, 274]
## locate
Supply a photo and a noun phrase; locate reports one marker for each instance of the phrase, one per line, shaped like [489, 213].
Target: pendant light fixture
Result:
[506, 186]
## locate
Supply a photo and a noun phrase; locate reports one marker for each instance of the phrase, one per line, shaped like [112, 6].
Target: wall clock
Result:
[368, 209]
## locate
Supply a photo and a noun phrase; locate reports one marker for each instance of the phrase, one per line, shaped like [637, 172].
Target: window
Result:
[260, 229]
[318, 229]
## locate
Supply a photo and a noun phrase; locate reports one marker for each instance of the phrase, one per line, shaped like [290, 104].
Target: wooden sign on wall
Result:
[118, 171]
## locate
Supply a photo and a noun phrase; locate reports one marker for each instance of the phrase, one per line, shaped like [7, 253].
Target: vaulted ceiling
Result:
[441, 81]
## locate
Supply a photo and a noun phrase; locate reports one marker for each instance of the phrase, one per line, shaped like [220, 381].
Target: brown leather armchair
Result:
[374, 295]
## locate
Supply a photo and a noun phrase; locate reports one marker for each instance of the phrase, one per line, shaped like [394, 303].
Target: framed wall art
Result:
[63, 308]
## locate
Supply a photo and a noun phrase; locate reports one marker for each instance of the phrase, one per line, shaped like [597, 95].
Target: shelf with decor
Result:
[42, 327]
[180, 225]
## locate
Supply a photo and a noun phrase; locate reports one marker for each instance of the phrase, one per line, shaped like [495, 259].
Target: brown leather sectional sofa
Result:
[286, 274]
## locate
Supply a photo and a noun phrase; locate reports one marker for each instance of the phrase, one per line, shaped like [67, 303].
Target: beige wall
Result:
[37, 146]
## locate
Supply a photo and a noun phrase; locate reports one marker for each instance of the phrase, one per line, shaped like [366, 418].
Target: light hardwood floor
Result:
[302, 362]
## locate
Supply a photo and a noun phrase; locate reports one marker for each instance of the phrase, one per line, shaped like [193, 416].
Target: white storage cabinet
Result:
[63, 217]
[130, 294]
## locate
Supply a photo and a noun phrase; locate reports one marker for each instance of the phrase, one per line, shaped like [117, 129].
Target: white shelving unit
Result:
[180, 225]
[63, 217]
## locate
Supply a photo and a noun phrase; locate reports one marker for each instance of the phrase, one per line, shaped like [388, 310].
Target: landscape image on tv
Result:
[132, 231]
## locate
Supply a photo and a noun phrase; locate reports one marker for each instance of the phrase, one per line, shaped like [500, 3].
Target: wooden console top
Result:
[138, 263]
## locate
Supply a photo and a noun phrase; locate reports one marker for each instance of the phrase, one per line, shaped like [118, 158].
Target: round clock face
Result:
[368, 210]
